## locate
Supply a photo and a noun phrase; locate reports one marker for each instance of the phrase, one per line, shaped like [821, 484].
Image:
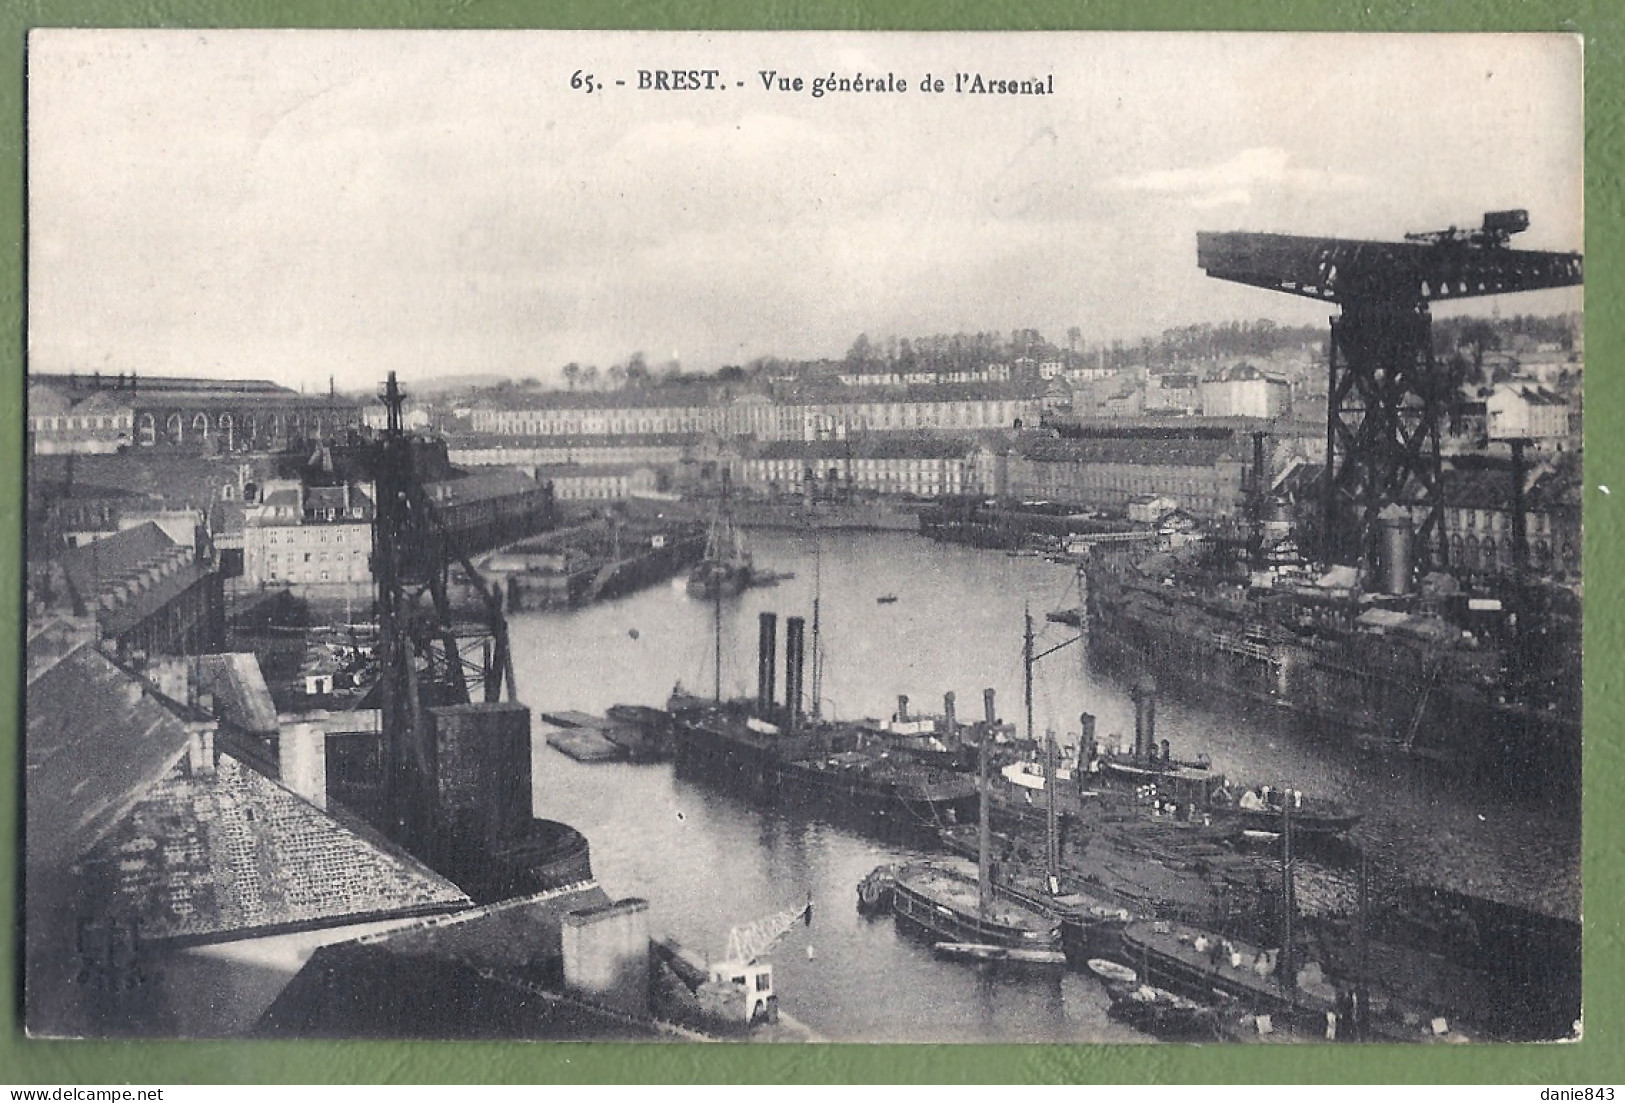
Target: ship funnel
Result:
[902, 706]
[1088, 749]
[1145, 717]
[950, 725]
[766, 659]
[794, 654]
[1396, 551]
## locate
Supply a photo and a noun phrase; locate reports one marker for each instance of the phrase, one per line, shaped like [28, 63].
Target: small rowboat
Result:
[981, 952]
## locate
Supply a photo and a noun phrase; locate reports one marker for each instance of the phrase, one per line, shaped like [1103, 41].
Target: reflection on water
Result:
[707, 861]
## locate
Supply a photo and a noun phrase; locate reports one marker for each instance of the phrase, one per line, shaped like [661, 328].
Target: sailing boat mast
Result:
[1288, 904]
[984, 833]
[817, 654]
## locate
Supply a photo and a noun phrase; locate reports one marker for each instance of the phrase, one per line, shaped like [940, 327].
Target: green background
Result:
[1598, 1059]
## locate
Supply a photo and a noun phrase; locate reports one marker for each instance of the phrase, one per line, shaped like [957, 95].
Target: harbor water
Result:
[707, 860]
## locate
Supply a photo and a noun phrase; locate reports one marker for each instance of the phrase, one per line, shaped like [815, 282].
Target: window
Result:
[307, 560]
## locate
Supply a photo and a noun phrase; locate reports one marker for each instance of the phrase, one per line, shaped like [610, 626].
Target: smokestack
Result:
[795, 628]
[950, 724]
[1088, 750]
[766, 659]
[902, 706]
[1145, 717]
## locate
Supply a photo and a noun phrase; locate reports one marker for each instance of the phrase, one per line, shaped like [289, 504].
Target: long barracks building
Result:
[797, 412]
[215, 414]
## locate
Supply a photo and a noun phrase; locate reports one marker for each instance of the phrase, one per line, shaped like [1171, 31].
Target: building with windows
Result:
[1529, 412]
[207, 415]
[1241, 390]
[1204, 474]
[70, 422]
[600, 482]
[1478, 523]
[921, 465]
[308, 537]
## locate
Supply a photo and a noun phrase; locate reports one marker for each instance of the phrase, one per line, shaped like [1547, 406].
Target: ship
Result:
[1428, 676]
[945, 904]
[726, 569]
[816, 765]
[594, 562]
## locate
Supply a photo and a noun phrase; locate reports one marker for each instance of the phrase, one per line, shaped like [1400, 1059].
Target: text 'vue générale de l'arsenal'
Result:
[833, 83]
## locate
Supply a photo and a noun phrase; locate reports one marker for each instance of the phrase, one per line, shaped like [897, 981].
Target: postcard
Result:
[817, 537]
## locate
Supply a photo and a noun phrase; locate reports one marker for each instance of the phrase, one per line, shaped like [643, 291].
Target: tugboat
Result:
[954, 908]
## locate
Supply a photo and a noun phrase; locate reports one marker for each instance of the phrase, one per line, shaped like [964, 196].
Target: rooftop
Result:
[98, 737]
[493, 482]
[238, 856]
[126, 577]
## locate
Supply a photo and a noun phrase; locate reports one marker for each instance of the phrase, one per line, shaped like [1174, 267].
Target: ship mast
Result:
[984, 833]
[817, 654]
[716, 642]
[1052, 850]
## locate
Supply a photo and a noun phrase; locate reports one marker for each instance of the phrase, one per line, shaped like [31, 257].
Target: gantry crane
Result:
[427, 655]
[1386, 394]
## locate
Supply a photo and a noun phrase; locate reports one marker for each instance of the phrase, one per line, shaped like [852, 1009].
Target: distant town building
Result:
[795, 412]
[1243, 391]
[1530, 412]
[1204, 475]
[204, 414]
[1478, 523]
[70, 422]
[600, 482]
[488, 450]
[919, 465]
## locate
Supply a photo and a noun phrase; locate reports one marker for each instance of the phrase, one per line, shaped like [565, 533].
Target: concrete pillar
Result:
[301, 755]
[606, 954]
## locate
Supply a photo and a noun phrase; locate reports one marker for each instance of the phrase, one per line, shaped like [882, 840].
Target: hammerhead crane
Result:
[1386, 395]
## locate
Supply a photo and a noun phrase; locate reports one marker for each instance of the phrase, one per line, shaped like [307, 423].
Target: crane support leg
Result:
[1385, 398]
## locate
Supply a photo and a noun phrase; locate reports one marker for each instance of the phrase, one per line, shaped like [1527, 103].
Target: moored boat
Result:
[947, 904]
[981, 953]
[1156, 1011]
[1262, 810]
[644, 733]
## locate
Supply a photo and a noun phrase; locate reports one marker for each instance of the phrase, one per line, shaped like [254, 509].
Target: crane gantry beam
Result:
[1386, 394]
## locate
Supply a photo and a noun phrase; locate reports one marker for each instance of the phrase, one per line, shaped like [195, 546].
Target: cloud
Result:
[1260, 169]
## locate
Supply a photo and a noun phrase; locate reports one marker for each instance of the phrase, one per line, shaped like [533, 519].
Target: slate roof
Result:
[97, 739]
[228, 854]
[130, 575]
[495, 482]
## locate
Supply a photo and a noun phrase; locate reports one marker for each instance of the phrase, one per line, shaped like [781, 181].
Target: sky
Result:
[304, 205]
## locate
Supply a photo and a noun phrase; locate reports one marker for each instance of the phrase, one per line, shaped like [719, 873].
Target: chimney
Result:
[767, 631]
[950, 724]
[902, 706]
[1145, 717]
[795, 628]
